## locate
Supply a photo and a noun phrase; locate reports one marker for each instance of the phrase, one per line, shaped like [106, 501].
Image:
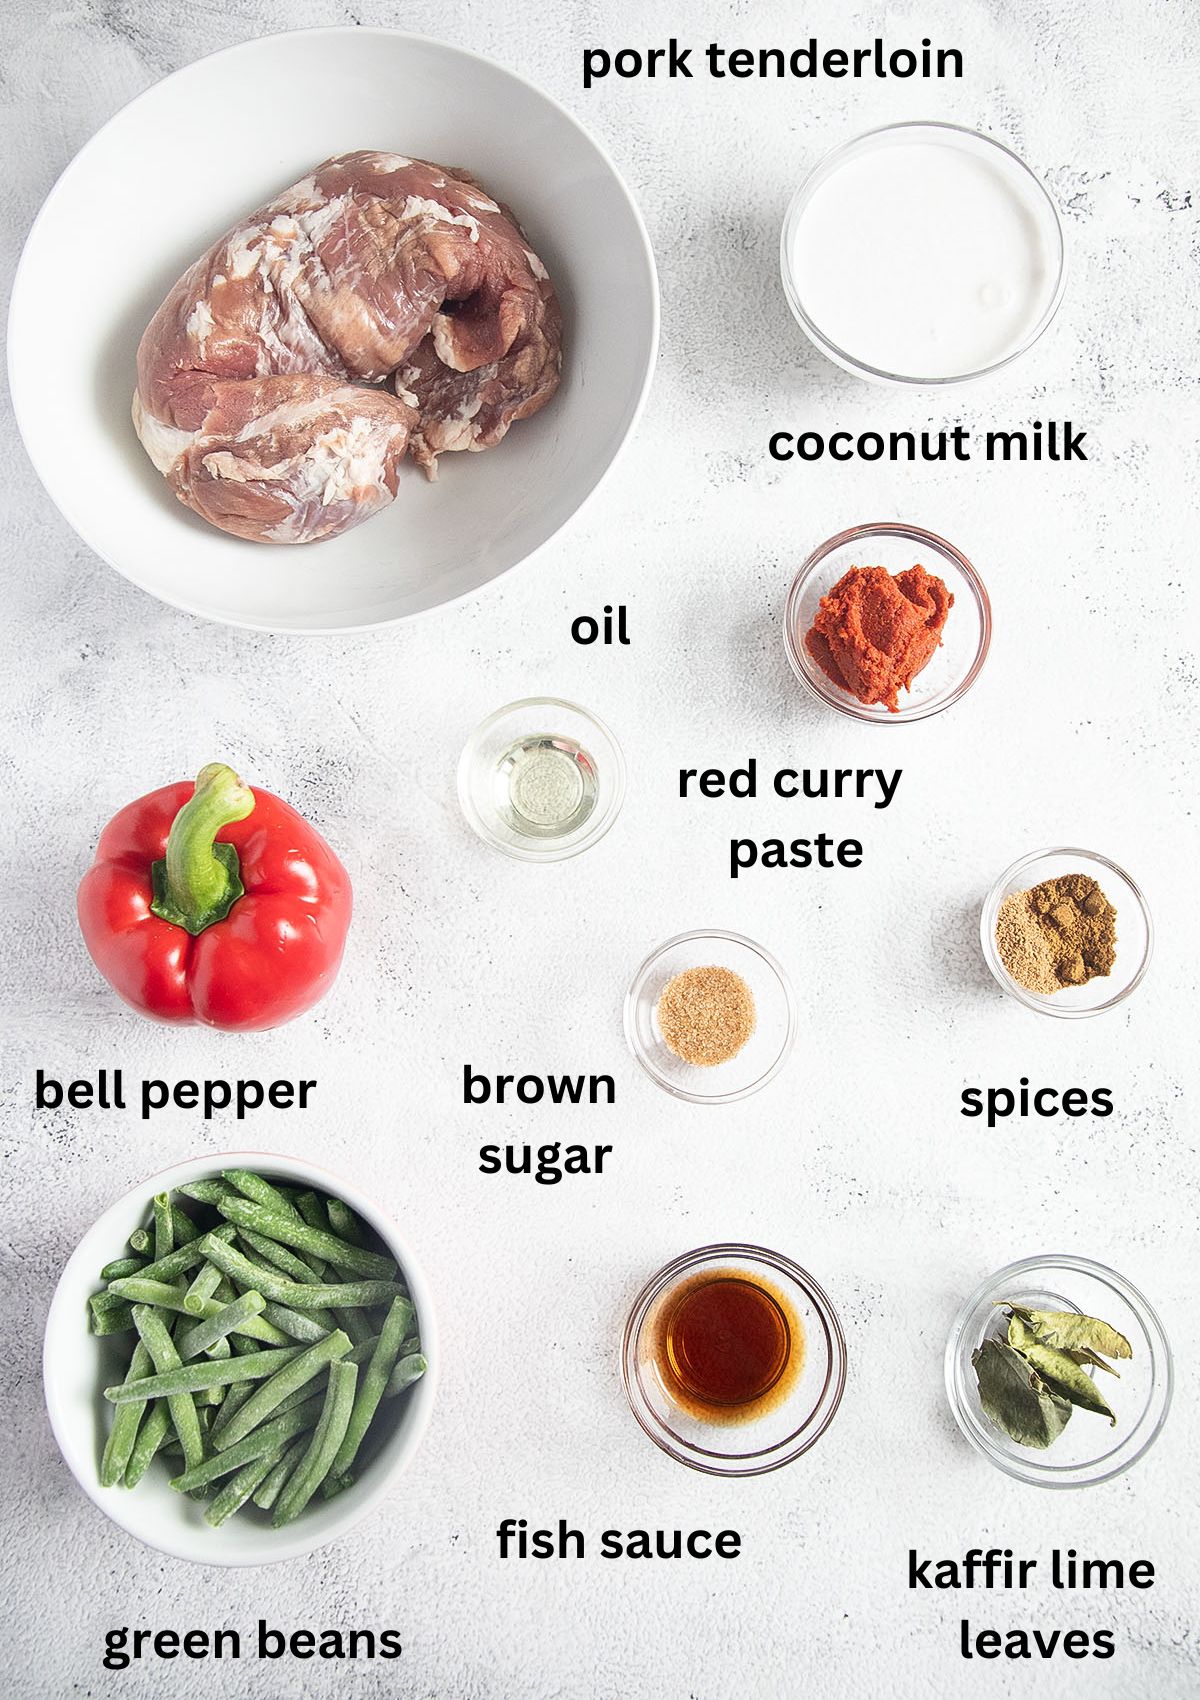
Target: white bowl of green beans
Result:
[240, 1358]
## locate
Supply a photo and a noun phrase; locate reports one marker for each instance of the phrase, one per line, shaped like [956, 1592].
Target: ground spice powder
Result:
[1060, 933]
[706, 1015]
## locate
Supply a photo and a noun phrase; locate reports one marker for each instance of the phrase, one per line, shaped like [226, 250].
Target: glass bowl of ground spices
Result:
[541, 779]
[1066, 932]
[733, 1360]
[710, 1016]
[887, 623]
[1056, 1423]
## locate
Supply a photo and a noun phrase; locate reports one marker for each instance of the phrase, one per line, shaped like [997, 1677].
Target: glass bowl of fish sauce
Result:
[541, 779]
[966, 637]
[733, 1360]
[1089, 1449]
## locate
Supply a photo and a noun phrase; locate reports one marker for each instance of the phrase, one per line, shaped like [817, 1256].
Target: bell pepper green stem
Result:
[199, 881]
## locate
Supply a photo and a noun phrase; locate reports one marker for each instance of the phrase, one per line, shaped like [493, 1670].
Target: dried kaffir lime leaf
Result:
[1058, 1370]
[1069, 1331]
[1016, 1398]
[1082, 1355]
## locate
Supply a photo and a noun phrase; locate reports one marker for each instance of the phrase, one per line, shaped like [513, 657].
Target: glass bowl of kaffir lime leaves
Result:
[1059, 1372]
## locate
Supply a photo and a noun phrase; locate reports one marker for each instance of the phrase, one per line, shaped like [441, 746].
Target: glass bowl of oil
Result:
[733, 1360]
[541, 779]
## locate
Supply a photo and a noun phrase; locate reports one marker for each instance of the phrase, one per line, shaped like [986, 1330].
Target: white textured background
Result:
[856, 1161]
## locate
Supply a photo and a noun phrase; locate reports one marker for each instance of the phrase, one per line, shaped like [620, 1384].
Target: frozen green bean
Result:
[161, 1347]
[254, 1333]
[202, 1372]
[313, 1211]
[141, 1291]
[323, 1296]
[122, 1266]
[344, 1223]
[265, 1440]
[154, 1431]
[179, 1261]
[206, 1192]
[118, 1448]
[235, 1398]
[294, 1232]
[140, 1240]
[228, 1320]
[331, 1427]
[109, 1314]
[269, 1492]
[208, 1278]
[238, 1490]
[164, 1228]
[356, 1323]
[289, 1378]
[357, 1355]
[409, 1369]
[277, 1255]
[372, 1383]
[299, 1324]
[184, 1229]
[100, 1303]
[261, 1191]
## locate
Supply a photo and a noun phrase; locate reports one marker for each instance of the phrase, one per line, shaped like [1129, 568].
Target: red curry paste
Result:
[874, 633]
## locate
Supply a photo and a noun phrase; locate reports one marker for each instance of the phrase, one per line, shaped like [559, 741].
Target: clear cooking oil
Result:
[545, 786]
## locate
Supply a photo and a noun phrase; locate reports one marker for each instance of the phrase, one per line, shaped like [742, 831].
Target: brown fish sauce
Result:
[727, 1345]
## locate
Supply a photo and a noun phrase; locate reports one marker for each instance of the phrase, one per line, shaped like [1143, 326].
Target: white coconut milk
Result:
[923, 259]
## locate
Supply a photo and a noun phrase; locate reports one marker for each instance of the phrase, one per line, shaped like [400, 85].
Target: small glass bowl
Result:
[783, 1432]
[1088, 1450]
[955, 666]
[1039, 205]
[479, 789]
[765, 1051]
[1135, 932]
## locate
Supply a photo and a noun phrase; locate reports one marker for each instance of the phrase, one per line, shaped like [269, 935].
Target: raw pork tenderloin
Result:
[382, 305]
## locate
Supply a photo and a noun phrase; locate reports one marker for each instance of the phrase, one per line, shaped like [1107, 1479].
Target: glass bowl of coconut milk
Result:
[923, 254]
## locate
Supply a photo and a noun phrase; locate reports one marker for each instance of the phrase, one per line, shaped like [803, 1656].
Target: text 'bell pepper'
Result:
[214, 903]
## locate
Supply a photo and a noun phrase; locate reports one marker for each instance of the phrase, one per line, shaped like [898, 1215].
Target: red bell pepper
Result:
[215, 904]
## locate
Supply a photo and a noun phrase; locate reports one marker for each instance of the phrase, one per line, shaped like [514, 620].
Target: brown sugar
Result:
[1060, 933]
[706, 1015]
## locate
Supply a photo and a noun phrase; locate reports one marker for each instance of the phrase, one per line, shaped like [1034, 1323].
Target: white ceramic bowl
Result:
[151, 191]
[76, 1366]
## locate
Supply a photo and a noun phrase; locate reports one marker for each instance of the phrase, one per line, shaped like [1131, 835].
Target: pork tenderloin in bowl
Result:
[149, 195]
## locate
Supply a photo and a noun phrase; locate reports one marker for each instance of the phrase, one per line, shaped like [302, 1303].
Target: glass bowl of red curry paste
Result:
[904, 552]
[733, 1360]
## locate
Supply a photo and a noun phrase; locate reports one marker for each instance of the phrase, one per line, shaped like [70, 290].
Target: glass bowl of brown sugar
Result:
[1066, 932]
[710, 1016]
